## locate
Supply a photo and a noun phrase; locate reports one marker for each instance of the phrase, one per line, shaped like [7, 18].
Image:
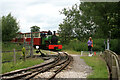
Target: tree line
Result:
[10, 27]
[96, 19]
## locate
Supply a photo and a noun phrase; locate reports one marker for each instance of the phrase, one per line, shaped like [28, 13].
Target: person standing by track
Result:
[90, 45]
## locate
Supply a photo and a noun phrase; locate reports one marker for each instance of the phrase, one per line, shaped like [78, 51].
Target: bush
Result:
[76, 45]
[114, 45]
[98, 45]
[97, 48]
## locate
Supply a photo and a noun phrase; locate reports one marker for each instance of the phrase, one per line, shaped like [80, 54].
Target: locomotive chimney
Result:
[54, 32]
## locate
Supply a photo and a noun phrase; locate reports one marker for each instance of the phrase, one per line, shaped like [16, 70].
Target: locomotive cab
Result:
[54, 42]
[50, 41]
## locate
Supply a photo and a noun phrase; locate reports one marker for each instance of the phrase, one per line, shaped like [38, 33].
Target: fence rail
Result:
[13, 51]
[13, 56]
[113, 63]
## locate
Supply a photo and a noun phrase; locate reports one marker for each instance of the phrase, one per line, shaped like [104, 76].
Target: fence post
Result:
[14, 57]
[110, 61]
[25, 55]
[114, 68]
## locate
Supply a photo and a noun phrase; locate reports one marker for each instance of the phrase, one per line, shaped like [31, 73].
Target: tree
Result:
[91, 19]
[73, 24]
[35, 29]
[10, 27]
[104, 16]
[65, 32]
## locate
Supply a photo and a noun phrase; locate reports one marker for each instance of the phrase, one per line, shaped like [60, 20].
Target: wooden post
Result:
[113, 61]
[107, 57]
[25, 57]
[114, 72]
[14, 57]
[31, 50]
[104, 53]
[114, 68]
[110, 61]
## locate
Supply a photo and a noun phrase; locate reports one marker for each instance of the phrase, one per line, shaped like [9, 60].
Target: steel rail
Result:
[66, 63]
[4, 76]
[30, 72]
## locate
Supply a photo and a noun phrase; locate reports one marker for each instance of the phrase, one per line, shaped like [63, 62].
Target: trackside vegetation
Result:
[98, 45]
[7, 58]
[10, 26]
[8, 46]
[7, 67]
[96, 19]
[98, 65]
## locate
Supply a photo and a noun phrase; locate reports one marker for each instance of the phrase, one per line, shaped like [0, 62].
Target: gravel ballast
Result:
[78, 69]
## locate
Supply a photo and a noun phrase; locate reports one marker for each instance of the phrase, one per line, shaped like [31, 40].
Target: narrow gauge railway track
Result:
[21, 73]
[28, 73]
[55, 70]
[66, 63]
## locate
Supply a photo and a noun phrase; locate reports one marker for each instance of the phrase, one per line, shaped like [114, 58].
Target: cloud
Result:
[43, 13]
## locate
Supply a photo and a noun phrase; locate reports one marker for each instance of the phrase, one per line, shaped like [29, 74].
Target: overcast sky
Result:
[43, 13]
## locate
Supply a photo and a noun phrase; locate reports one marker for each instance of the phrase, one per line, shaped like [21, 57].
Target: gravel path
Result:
[78, 69]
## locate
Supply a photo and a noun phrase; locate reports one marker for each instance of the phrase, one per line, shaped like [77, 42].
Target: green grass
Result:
[9, 55]
[98, 66]
[10, 46]
[96, 62]
[7, 67]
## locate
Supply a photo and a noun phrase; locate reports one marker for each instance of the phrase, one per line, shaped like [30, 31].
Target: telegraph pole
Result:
[31, 46]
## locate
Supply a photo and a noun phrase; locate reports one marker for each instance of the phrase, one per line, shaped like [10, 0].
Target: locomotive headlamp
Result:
[37, 47]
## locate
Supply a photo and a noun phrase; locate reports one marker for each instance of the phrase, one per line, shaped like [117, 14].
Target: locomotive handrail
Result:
[113, 63]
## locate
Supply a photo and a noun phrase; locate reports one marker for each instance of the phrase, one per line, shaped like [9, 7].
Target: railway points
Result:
[30, 72]
[59, 64]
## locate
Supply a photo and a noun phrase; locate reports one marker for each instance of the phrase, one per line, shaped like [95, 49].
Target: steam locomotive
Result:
[43, 40]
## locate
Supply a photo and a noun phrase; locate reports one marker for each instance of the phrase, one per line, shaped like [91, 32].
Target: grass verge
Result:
[7, 67]
[10, 46]
[98, 66]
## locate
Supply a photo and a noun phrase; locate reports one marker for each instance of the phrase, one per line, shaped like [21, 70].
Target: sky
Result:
[42, 13]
